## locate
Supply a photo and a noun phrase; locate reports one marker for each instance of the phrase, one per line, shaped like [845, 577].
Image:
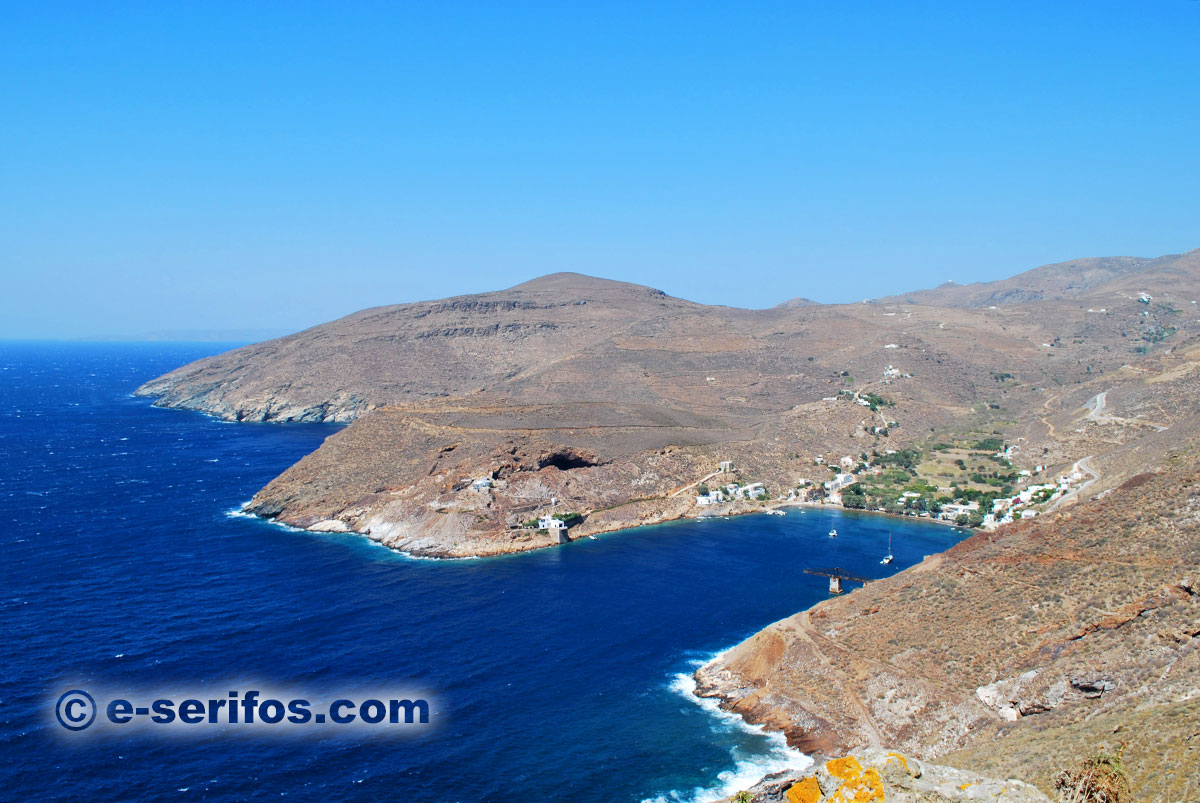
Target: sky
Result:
[209, 166]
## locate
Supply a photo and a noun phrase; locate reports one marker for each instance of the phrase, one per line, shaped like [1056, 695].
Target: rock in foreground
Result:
[879, 775]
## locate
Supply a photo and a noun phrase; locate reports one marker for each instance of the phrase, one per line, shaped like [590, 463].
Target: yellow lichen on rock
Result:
[806, 790]
[857, 785]
[844, 769]
[901, 759]
[873, 775]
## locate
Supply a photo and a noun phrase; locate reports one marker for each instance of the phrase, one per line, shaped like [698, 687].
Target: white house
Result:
[839, 482]
[754, 490]
[482, 483]
[726, 465]
[556, 527]
[953, 511]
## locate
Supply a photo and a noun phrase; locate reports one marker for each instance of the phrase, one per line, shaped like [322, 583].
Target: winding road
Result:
[1098, 415]
[1083, 464]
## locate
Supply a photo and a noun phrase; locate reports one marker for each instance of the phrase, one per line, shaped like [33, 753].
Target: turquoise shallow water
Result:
[558, 674]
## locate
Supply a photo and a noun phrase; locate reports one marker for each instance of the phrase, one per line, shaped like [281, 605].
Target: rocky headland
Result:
[1017, 653]
[614, 402]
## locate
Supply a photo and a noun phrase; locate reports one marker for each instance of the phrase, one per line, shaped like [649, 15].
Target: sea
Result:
[558, 674]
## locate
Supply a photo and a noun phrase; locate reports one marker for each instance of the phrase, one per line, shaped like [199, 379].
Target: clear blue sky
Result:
[173, 165]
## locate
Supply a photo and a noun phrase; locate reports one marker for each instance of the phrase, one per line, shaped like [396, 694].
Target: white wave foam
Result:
[411, 556]
[747, 770]
[240, 512]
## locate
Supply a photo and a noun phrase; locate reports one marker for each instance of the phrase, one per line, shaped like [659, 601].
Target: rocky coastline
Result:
[385, 534]
[1078, 642]
[1055, 637]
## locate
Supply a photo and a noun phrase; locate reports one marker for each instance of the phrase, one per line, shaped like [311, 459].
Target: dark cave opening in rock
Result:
[566, 460]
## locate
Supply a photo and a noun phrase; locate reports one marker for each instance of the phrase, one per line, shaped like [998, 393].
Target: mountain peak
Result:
[567, 281]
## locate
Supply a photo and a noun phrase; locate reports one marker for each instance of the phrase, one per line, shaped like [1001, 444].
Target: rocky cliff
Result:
[1017, 652]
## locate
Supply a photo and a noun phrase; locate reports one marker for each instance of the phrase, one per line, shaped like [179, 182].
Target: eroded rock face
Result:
[876, 776]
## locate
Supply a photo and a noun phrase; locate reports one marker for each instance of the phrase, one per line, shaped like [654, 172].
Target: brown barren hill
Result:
[611, 405]
[1014, 653]
[659, 391]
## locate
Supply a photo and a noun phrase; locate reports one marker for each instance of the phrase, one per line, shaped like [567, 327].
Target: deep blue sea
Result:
[558, 675]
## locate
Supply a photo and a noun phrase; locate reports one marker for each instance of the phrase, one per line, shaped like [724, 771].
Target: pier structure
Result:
[837, 577]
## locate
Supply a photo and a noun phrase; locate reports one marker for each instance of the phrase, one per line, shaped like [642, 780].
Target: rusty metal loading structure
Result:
[836, 576]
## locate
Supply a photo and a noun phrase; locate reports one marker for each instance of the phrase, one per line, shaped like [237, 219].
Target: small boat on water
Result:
[592, 537]
[833, 533]
[889, 557]
[776, 513]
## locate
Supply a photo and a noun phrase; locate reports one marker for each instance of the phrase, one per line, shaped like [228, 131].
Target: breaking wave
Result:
[748, 768]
